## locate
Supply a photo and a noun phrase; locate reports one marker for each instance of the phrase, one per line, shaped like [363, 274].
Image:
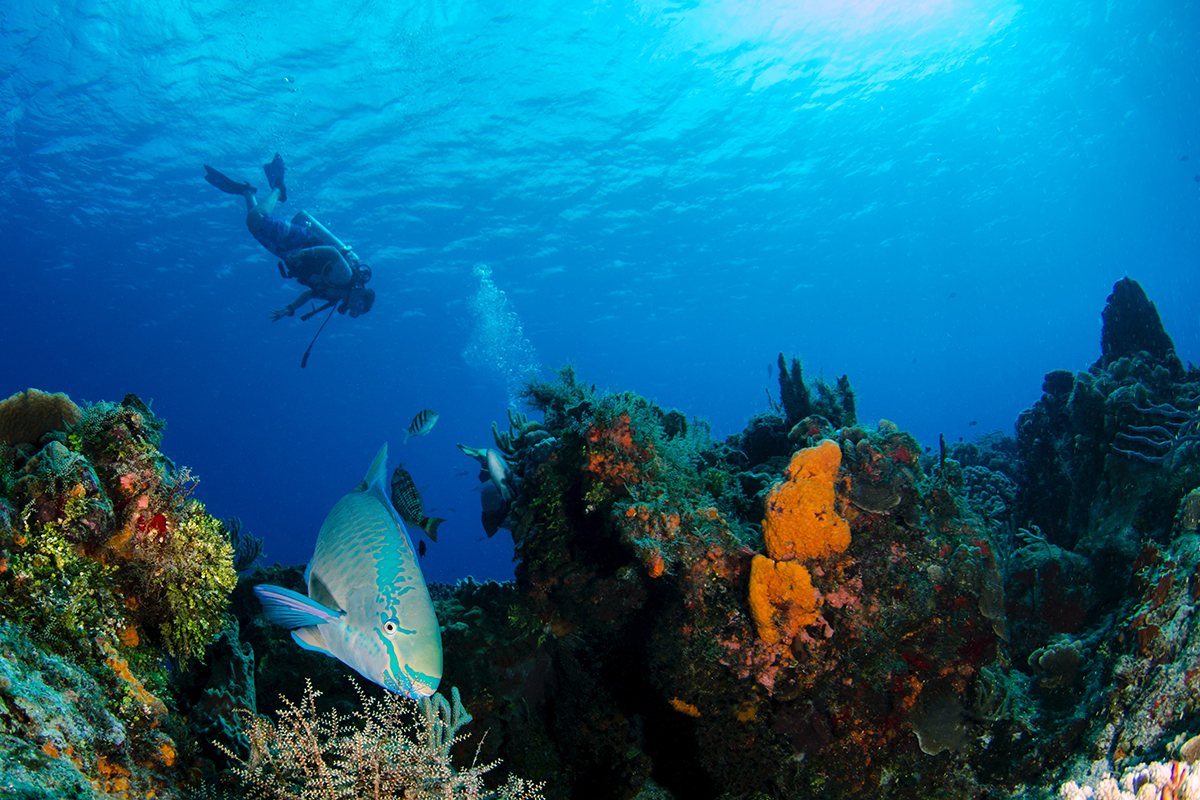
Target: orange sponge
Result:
[782, 599]
[801, 520]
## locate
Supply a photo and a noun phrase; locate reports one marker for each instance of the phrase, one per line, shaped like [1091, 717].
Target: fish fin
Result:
[376, 473]
[405, 438]
[430, 526]
[310, 638]
[319, 592]
[477, 453]
[289, 609]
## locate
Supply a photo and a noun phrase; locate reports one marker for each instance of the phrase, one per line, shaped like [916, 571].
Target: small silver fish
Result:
[367, 605]
[421, 424]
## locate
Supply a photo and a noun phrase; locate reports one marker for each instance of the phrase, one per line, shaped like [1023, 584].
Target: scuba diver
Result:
[308, 252]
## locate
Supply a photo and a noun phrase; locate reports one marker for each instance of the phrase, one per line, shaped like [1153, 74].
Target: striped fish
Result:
[367, 605]
[421, 424]
[407, 501]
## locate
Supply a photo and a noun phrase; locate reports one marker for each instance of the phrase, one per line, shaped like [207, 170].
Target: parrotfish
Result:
[502, 478]
[407, 501]
[495, 469]
[497, 486]
[421, 424]
[367, 605]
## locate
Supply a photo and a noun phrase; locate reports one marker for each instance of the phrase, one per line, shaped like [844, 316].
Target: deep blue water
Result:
[933, 197]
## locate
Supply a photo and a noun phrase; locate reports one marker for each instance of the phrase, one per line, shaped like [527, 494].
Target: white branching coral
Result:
[392, 747]
[1157, 781]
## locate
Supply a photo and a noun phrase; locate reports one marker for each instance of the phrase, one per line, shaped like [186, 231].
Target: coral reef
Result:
[647, 632]
[814, 607]
[1173, 780]
[811, 607]
[107, 562]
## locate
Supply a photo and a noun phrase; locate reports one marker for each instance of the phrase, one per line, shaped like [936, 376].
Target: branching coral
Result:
[392, 748]
[1175, 428]
[247, 548]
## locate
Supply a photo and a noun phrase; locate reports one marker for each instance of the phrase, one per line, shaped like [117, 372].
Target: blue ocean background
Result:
[934, 198]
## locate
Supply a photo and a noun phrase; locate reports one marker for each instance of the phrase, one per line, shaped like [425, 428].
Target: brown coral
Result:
[27, 416]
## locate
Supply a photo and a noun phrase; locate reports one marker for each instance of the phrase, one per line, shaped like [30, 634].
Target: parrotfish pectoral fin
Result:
[289, 609]
[310, 638]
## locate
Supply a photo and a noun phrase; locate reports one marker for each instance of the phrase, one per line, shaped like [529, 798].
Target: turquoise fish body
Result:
[367, 605]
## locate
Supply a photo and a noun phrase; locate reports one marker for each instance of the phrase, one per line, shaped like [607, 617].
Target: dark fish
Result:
[494, 508]
[421, 424]
[973, 422]
[1183, 158]
[407, 501]
[421, 548]
[952, 295]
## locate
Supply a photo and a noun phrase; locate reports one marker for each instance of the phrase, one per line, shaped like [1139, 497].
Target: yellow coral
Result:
[801, 520]
[782, 599]
[27, 416]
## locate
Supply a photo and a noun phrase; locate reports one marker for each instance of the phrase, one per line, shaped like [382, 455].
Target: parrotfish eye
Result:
[390, 626]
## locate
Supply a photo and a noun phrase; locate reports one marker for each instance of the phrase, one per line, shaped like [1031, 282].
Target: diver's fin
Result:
[225, 183]
[289, 609]
[430, 526]
[274, 170]
[310, 638]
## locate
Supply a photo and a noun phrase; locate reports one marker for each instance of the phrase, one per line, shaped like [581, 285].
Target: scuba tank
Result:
[309, 221]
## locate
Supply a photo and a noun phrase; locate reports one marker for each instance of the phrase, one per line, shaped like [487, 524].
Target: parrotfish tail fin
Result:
[430, 526]
[477, 453]
[289, 609]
